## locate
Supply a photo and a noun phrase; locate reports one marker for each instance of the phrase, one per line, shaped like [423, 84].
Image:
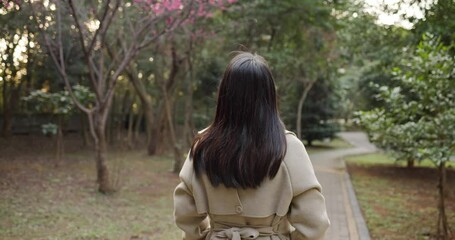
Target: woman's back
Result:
[246, 177]
[293, 195]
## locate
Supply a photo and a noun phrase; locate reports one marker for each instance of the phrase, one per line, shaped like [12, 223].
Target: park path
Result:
[347, 222]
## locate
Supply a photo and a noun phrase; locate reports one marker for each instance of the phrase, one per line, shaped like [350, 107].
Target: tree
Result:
[321, 110]
[99, 28]
[59, 105]
[437, 21]
[367, 51]
[184, 39]
[314, 67]
[299, 47]
[17, 58]
[417, 119]
[167, 76]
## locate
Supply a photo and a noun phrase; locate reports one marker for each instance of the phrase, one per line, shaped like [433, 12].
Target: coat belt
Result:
[235, 233]
[223, 232]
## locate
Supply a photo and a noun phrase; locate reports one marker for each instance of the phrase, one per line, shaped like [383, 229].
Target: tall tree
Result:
[416, 121]
[186, 37]
[320, 110]
[299, 47]
[97, 26]
[17, 58]
[367, 51]
[437, 20]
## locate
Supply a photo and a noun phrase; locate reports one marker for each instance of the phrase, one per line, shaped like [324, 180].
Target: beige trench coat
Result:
[289, 206]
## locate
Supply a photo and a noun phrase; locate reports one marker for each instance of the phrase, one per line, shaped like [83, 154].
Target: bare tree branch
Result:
[92, 126]
[101, 78]
[114, 57]
[133, 49]
[113, 79]
[87, 54]
[60, 69]
[59, 39]
[102, 28]
[175, 24]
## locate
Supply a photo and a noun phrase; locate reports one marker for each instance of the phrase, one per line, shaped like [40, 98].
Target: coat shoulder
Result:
[299, 166]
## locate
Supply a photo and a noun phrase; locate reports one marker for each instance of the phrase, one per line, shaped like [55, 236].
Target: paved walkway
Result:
[347, 222]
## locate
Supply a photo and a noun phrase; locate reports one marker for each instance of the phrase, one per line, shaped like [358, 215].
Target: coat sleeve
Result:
[308, 216]
[195, 226]
[307, 212]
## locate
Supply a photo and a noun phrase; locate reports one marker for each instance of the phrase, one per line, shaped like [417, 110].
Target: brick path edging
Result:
[362, 229]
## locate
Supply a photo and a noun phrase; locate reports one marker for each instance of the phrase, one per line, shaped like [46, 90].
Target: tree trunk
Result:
[175, 145]
[110, 123]
[84, 130]
[164, 131]
[443, 226]
[9, 106]
[159, 128]
[104, 184]
[167, 89]
[410, 163]
[147, 107]
[60, 147]
[310, 142]
[124, 114]
[300, 108]
[163, 104]
[149, 122]
[188, 127]
[102, 76]
[7, 92]
[129, 138]
[7, 126]
[137, 125]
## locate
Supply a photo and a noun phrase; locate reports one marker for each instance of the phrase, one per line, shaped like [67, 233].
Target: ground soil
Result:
[400, 202]
[42, 200]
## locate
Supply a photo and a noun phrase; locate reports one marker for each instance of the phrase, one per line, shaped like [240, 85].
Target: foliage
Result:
[59, 103]
[209, 76]
[382, 159]
[439, 22]
[49, 129]
[417, 119]
[319, 111]
[368, 51]
[54, 103]
[301, 48]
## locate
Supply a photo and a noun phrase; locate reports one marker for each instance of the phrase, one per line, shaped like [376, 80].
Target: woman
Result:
[246, 177]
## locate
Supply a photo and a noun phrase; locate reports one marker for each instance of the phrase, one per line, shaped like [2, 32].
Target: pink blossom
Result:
[159, 7]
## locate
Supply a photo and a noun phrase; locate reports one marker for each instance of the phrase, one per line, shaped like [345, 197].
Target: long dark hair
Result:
[246, 142]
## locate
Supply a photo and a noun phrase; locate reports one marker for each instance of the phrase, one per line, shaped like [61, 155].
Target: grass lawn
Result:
[397, 202]
[40, 201]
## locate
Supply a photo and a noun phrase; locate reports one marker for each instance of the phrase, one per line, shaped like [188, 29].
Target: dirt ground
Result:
[401, 203]
[41, 201]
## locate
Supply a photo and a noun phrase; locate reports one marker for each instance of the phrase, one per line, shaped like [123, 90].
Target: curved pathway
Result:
[347, 222]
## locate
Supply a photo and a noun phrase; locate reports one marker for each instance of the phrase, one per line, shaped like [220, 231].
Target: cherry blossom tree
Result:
[99, 27]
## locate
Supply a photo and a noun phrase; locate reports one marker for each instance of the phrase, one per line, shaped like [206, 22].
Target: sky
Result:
[375, 7]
